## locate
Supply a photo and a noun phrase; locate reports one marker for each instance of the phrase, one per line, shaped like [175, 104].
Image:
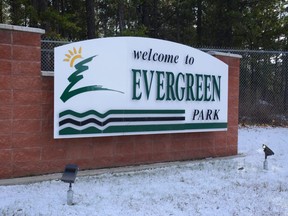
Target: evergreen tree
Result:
[219, 23]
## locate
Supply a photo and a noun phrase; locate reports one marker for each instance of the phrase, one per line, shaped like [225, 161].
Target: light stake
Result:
[69, 176]
[268, 152]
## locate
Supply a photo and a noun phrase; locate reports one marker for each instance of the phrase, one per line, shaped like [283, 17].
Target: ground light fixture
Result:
[69, 176]
[268, 152]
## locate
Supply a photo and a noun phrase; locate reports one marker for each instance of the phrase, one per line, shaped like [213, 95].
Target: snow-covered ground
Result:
[235, 186]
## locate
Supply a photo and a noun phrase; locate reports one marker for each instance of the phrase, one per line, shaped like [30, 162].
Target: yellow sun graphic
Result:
[73, 55]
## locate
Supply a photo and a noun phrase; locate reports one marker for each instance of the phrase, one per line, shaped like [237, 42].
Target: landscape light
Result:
[69, 176]
[268, 152]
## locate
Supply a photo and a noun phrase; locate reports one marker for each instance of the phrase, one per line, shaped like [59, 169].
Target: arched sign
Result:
[132, 85]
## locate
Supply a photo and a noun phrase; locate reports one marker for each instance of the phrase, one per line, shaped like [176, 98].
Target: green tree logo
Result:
[77, 75]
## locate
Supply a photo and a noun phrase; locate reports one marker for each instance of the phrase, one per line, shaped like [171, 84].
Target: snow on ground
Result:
[235, 186]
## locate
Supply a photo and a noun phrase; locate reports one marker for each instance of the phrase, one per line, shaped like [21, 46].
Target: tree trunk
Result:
[285, 68]
[1, 12]
[121, 16]
[91, 28]
[15, 13]
[154, 30]
[199, 22]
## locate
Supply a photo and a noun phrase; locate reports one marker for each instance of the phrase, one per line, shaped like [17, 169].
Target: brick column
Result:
[20, 96]
[233, 61]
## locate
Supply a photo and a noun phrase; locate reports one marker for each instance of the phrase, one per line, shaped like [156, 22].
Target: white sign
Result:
[131, 85]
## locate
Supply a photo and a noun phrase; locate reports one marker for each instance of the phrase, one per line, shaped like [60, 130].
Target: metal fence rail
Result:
[263, 82]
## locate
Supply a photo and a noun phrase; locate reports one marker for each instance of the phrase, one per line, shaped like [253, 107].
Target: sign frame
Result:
[132, 85]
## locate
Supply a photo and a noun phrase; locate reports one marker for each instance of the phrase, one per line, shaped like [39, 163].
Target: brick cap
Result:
[47, 73]
[21, 28]
[224, 54]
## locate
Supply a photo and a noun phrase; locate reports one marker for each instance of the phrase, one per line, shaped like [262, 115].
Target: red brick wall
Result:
[27, 146]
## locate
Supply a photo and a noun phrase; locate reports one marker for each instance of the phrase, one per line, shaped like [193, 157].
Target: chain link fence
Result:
[47, 52]
[263, 94]
[263, 82]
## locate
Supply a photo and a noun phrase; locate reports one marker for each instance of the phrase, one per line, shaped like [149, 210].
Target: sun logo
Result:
[73, 55]
[81, 68]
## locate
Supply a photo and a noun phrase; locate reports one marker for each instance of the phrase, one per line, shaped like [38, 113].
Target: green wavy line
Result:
[94, 112]
[144, 128]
